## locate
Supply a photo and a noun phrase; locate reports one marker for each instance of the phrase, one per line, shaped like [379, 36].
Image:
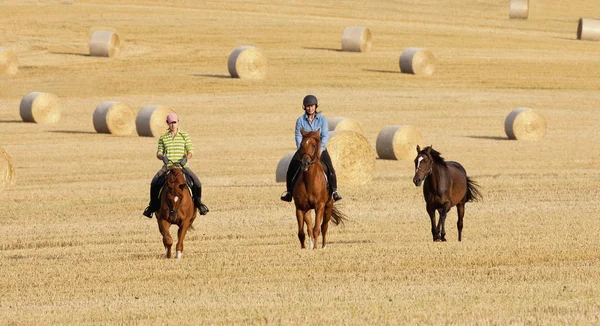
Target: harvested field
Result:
[75, 248]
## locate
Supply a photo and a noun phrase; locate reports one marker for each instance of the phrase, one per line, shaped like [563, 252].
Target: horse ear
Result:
[429, 149]
[303, 132]
[418, 148]
[318, 132]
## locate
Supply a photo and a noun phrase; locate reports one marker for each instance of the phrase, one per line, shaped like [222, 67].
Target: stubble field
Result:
[75, 249]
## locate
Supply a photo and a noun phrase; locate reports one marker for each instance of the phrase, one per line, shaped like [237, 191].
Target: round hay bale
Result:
[247, 62]
[9, 63]
[40, 108]
[356, 39]
[588, 29]
[282, 167]
[398, 142]
[151, 121]
[112, 117]
[343, 123]
[105, 44]
[352, 156]
[519, 9]
[7, 172]
[417, 61]
[525, 124]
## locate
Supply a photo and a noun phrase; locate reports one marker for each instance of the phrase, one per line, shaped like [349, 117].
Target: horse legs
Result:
[434, 229]
[180, 235]
[325, 224]
[460, 208]
[319, 212]
[309, 229]
[163, 227]
[301, 235]
[442, 221]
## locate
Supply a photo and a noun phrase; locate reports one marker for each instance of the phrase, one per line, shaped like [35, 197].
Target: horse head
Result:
[176, 185]
[423, 165]
[310, 148]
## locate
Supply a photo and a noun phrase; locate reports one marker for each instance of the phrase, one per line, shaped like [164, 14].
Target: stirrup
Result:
[336, 196]
[147, 212]
[287, 196]
[203, 209]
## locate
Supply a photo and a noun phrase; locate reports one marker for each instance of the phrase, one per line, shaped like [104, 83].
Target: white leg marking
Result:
[178, 255]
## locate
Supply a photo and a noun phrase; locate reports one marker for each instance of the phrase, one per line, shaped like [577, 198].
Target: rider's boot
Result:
[153, 206]
[287, 196]
[202, 209]
[335, 195]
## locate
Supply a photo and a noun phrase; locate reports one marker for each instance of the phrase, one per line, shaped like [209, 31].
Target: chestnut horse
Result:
[176, 207]
[311, 192]
[445, 185]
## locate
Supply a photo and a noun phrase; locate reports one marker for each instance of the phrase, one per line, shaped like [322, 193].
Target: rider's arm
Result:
[298, 134]
[160, 150]
[324, 133]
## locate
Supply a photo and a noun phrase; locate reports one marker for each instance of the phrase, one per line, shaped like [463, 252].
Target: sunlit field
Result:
[76, 249]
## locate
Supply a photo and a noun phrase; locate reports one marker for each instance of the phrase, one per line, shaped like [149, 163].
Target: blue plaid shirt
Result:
[319, 122]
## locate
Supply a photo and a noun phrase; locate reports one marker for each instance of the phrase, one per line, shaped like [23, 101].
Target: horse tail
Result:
[473, 190]
[337, 216]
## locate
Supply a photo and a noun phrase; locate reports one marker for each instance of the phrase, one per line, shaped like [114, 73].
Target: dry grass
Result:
[75, 249]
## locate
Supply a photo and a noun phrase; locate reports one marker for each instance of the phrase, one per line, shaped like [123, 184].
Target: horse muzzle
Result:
[417, 181]
[305, 165]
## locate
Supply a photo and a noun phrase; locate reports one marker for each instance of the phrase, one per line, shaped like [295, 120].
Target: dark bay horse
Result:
[311, 192]
[176, 207]
[445, 185]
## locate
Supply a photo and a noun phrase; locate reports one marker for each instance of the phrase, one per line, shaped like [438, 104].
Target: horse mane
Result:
[435, 155]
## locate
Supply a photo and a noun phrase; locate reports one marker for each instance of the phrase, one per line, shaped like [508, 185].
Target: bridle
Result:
[313, 157]
[430, 166]
[170, 190]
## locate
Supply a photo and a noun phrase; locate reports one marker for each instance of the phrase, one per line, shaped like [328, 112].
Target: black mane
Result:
[435, 155]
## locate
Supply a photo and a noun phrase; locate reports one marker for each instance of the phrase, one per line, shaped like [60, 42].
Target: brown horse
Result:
[176, 207]
[445, 185]
[311, 192]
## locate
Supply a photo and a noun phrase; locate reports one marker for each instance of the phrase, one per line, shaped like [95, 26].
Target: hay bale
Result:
[525, 124]
[343, 123]
[105, 44]
[7, 171]
[417, 61]
[112, 117]
[352, 156]
[282, 167]
[9, 63]
[356, 39]
[519, 9]
[398, 142]
[40, 108]
[588, 29]
[247, 62]
[151, 121]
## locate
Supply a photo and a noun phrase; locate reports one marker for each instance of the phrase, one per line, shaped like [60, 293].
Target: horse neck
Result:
[313, 172]
[438, 174]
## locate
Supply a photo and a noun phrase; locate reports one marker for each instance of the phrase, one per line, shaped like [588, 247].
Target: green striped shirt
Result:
[175, 148]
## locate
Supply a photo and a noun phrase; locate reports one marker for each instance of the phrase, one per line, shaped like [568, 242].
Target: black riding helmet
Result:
[310, 100]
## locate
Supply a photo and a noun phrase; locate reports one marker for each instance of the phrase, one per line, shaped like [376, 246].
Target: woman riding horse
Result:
[310, 121]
